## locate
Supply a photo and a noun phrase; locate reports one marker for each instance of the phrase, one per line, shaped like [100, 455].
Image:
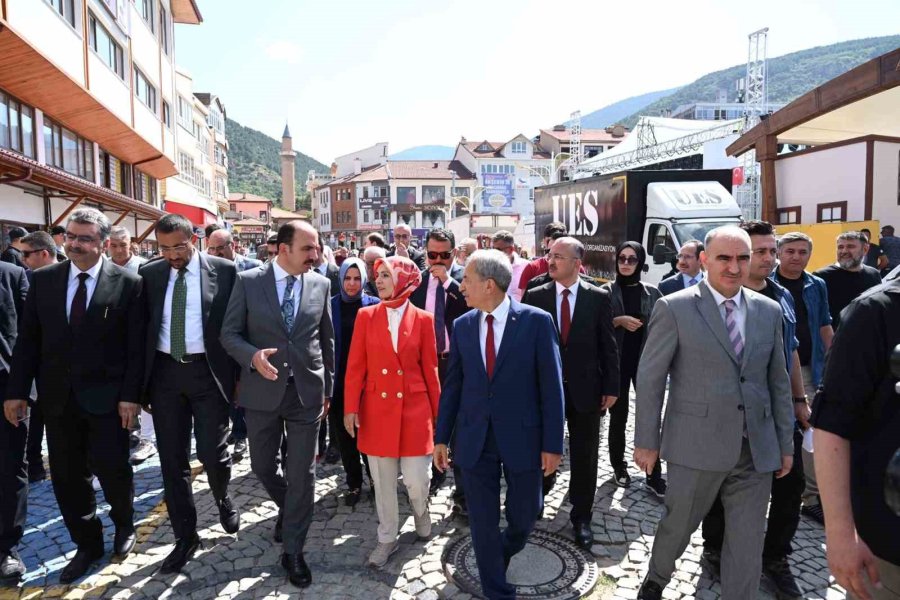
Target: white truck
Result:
[660, 209]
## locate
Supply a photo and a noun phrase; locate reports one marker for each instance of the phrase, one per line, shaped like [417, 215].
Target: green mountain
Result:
[254, 165]
[789, 77]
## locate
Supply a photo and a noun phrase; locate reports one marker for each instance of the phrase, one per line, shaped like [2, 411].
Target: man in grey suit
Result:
[723, 434]
[278, 328]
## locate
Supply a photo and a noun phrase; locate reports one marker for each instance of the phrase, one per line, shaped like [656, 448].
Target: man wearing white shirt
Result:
[590, 362]
[505, 242]
[510, 417]
[690, 270]
[189, 380]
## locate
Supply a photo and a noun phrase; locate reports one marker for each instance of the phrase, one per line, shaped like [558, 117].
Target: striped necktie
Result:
[734, 333]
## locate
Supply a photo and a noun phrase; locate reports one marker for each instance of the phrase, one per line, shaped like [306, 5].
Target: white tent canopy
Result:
[658, 139]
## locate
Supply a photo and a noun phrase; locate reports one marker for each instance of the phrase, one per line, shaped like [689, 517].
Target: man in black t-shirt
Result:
[856, 417]
[875, 256]
[848, 277]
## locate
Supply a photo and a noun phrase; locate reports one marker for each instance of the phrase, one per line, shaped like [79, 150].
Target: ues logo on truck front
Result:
[578, 211]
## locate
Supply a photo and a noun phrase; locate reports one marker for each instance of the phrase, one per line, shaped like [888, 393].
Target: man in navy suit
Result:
[503, 396]
[689, 271]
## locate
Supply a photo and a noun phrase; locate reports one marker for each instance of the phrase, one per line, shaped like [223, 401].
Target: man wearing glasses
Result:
[189, 379]
[505, 242]
[439, 294]
[402, 247]
[82, 338]
[689, 271]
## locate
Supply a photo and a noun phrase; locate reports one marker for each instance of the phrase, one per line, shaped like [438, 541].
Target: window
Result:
[789, 215]
[65, 8]
[145, 92]
[518, 147]
[232, 207]
[263, 215]
[16, 125]
[106, 47]
[185, 118]
[484, 148]
[112, 7]
[167, 114]
[164, 30]
[67, 151]
[502, 169]
[145, 8]
[659, 236]
[832, 212]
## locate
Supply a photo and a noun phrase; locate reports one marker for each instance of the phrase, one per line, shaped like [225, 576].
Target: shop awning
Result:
[195, 214]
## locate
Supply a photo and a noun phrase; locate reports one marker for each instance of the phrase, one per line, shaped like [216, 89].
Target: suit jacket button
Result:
[740, 407]
[384, 371]
[743, 379]
[384, 394]
[400, 372]
[399, 394]
[285, 364]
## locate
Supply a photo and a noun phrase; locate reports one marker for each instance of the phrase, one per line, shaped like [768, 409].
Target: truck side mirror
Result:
[662, 254]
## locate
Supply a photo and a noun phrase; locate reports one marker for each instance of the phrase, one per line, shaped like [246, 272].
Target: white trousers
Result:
[416, 472]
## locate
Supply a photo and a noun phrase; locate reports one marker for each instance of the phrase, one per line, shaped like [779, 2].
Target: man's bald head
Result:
[370, 255]
[220, 243]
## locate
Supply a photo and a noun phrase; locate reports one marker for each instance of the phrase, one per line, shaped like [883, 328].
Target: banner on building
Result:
[498, 192]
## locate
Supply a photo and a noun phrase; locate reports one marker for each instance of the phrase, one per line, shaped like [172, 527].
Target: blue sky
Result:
[350, 74]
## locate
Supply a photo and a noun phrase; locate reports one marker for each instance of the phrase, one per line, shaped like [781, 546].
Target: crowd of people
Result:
[399, 361]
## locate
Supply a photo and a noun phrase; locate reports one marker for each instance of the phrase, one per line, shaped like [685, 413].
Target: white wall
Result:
[109, 89]
[715, 157]
[885, 183]
[46, 30]
[19, 207]
[372, 155]
[834, 175]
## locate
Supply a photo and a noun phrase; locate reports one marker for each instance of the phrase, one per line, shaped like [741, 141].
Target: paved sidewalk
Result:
[247, 565]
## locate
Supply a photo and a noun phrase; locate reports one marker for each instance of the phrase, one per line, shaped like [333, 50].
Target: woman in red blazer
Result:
[391, 395]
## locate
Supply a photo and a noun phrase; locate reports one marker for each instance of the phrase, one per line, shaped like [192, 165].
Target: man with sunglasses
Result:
[439, 294]
[82, 338]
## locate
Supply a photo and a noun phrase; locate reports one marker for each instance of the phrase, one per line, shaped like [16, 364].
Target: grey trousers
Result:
[690, 494]
[811, 493]
[293, 492]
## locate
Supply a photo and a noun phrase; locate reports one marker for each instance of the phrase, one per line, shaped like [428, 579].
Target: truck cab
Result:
[678, 212]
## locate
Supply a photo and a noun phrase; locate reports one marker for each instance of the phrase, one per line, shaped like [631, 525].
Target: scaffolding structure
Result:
[575, 149]
[756, 105]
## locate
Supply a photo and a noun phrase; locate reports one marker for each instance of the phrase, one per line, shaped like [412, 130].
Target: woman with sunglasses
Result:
[632, 302]
[344, 309]
[391, 398]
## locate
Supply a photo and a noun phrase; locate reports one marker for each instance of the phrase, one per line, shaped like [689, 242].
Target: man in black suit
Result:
[369, 256]
[13, 252]
[188, 376]
[401, 247]
[439, 294]
[332, 453]
[590, 362]
[689, 268]
[13, 433]
[82, 337]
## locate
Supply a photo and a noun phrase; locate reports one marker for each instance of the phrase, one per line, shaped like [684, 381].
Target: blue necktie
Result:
[287, 303]
[692, 282]
[440, 306]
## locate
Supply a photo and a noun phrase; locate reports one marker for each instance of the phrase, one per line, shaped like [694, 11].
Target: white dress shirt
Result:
[90, 284]
[430, 302]
[518, 265]
[740, 309]
[395, 317]
[573, 292]
[500, 314]
[193, 312]
[687, 278]
[281, 283]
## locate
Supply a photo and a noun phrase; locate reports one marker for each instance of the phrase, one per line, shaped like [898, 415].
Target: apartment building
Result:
[87, 92]
[215, 119]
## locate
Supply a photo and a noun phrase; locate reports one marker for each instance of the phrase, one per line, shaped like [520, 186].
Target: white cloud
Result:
[283, 50]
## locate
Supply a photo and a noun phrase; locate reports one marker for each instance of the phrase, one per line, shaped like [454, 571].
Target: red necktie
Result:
[565, 319]
[490, 356]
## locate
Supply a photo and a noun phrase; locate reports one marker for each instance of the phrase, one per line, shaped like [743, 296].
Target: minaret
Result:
[288, 194]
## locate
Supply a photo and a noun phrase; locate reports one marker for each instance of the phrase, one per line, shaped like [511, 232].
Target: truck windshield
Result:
[697, 230]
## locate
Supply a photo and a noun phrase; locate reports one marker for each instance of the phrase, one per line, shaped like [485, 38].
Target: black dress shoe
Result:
[80, 564]
[240, 449]
[36, 473]
[778, 572]
[177, 558]
[650, 590]
[124, 541]
[584, 537]
[712, 561]
[277, 533]
[298, 572]
[351, 498]
[229, 517]
[12, 568]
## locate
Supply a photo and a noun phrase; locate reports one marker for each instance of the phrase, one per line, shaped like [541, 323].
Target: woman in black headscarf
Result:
[632, 302]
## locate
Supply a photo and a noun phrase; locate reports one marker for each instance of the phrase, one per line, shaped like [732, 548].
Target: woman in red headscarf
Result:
[391, 394]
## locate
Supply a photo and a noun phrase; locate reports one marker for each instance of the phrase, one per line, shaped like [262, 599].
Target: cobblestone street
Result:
[247, 565]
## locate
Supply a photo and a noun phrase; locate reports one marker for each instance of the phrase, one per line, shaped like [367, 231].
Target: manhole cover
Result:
[550, 567]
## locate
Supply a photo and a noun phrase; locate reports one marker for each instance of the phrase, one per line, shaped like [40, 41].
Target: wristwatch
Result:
[800, 399]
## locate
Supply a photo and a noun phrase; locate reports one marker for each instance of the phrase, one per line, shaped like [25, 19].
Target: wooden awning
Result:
[32, 78]
[15, 168]
[186, 11]
[862, 101]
